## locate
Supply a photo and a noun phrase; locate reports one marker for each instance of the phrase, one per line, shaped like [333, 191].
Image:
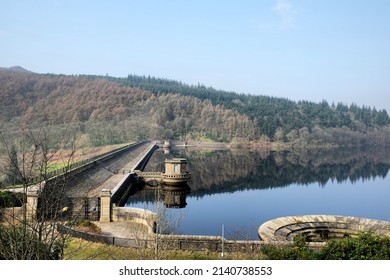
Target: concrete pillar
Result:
[32, 205]
[105, 206]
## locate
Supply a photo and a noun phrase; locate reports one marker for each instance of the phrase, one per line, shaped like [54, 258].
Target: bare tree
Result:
[164, 224]
[29, 232]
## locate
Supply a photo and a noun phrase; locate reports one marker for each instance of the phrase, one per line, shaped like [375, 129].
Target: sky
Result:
[333, 50]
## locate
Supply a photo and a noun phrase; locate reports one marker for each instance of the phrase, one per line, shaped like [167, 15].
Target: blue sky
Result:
[299, 49]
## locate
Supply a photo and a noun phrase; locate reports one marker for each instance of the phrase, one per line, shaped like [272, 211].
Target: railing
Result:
[151, 174]
[163, 175]
[177, 176]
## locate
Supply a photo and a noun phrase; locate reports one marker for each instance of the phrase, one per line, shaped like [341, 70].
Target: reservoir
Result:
[241, 189]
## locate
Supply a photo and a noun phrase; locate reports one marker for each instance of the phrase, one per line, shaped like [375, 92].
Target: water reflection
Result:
[218, 171]
[243, 188]
[173, 196]
[228, 171]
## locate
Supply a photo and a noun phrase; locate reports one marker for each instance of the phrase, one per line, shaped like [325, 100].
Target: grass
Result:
[85, 225]
[366, 246]
[79, 249]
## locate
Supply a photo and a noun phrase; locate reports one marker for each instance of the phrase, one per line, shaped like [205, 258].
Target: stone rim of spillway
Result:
[320, 228]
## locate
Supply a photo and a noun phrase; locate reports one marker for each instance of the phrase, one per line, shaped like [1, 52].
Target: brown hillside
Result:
[111, 111]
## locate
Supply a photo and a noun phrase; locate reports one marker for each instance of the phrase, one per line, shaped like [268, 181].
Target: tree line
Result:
[276, 118]
[107, 110]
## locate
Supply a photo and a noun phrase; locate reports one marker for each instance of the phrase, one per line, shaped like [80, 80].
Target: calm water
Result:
[243, 189]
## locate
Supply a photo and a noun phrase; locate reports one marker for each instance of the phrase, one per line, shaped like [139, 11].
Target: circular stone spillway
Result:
[319, 228]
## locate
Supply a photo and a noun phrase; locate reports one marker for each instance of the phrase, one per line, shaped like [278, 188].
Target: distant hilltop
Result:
[15, 69]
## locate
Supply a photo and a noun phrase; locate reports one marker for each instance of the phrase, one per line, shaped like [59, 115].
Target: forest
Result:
[107, 110]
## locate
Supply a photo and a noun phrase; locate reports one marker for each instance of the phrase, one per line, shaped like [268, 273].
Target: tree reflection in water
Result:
[233, 172]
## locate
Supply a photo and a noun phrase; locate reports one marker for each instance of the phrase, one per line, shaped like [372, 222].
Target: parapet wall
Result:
[320, 228]
[171, 242]
[140, 165]
[11, 215]
[137, 215]
[123, 188]
[89, 164]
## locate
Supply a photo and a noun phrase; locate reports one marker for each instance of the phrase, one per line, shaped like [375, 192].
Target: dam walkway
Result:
[79, 190]
[139, 160]
[106, 172]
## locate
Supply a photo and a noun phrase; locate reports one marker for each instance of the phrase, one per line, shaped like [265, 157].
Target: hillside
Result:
[107, 110]
[15, 69]
[273, 114]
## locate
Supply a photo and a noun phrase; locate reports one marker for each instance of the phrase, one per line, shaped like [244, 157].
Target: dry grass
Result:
[63, 156]
[79, 249]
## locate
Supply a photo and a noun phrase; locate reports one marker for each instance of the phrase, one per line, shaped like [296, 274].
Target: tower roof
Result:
[176, 160]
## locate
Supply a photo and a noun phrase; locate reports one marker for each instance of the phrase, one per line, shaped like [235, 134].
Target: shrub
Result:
[366, 246]
[85, 225]
[10, 199]
[28, 245]
[299, 250]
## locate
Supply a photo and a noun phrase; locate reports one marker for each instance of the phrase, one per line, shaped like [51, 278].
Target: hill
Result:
[272, 113]
[15, 69]
[108, 110]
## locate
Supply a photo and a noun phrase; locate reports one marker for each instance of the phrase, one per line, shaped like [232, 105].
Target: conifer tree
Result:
[13, 176]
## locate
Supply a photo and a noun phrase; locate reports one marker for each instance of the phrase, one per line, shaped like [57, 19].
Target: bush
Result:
[29, 246]
[298, 251]
[10, 199]
[366, 246]
[84, 225]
